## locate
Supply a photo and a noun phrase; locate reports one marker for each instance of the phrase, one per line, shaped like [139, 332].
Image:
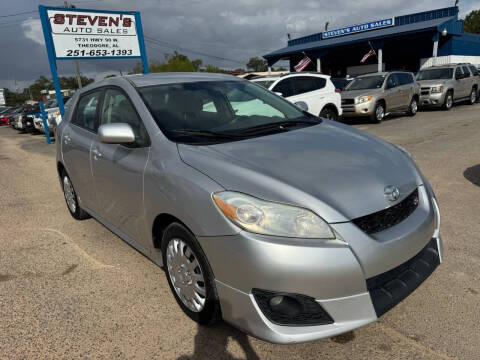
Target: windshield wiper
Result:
[204, 133]
[280, 125]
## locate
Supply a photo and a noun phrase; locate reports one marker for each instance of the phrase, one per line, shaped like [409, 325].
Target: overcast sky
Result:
[233, 29]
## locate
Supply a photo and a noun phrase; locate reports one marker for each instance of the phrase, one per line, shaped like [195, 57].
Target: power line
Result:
[176, 47]
[20, 13]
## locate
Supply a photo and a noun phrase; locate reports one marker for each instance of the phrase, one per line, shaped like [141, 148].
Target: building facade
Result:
[407, 42]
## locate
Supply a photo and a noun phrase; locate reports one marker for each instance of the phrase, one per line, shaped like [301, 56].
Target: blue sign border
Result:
[52, 57]
[351, 29]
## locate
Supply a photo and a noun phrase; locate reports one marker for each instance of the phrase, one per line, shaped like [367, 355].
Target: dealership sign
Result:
[90, 34]
[373, 25]
[85, 34]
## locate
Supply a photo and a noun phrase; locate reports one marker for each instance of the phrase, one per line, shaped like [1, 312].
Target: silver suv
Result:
[377, 95]
[286, 225]
[441, 86]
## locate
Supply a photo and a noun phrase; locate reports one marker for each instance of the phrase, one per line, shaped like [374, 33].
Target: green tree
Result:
[257, 64]
[472, 22]
[14, 98]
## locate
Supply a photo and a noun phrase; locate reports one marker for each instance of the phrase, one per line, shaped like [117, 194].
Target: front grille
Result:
[348, 101]
[425, 88]
[390, 288]
[387, 218]
[425, 92]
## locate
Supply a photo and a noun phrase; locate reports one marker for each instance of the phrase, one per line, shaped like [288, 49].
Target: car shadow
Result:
[211, 342]
[472, 174]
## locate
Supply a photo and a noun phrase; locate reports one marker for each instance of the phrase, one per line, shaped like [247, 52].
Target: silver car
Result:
[442, 86]
[289, 227]
[377, 95]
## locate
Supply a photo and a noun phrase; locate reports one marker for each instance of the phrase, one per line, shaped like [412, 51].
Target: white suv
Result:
[312, 92]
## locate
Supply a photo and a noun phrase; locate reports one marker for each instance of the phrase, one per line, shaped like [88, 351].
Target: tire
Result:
[189, 275]
[329, 113]
[473, 97]
[448, 102]
[413, 107]
[71, 199]
[378, 114]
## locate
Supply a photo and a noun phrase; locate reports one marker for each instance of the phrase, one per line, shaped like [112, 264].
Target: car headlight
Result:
[436, 89]
[271, 218]
[363, 99]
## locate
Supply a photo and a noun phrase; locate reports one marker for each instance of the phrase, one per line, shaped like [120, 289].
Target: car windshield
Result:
[265, 83]
[220, 111]
[366, 82]
[434, 74]
[51, 104]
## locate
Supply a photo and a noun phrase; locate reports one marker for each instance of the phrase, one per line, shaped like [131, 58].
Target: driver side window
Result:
[117, 108]
[391, 82]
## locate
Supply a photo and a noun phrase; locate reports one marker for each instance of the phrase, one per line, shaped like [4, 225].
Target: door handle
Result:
[96, 153]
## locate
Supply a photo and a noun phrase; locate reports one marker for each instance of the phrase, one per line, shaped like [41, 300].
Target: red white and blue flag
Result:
[302, 64]
[367, 55]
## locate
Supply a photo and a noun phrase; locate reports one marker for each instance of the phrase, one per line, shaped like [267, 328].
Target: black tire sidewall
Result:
[374, 115]
[410, 112]
[327, 110]
[211, 311]
[445, 107]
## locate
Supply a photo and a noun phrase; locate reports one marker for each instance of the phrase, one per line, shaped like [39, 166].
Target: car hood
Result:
[432, 82]
[337, 171]
[354, 93]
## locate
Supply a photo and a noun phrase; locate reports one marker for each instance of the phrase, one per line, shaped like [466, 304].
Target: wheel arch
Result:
[160, 223]
[331, 106]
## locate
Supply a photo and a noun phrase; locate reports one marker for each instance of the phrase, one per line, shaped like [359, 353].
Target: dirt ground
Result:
[72, 289]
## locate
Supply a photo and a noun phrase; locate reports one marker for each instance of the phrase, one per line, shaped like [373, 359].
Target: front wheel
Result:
[71, 199]
[413, 108]
[378, 113]
[329, 113]
[189, 275]
[448, 103]
[473, 97]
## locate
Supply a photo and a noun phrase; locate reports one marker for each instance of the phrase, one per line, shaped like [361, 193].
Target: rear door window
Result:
[286, 87]
[466, 71]
[305, 84]
[86, 113]
[474, 70]
[458, 73]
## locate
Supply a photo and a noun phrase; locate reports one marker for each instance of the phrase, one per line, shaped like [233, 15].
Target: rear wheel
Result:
[329, 113]
[413, 108]
[189, 275]
[448, 102]
[378, 113]
[71, 199]
[473, 96]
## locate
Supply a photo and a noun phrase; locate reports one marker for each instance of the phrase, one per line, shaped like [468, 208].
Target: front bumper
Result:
[358, 110]
[431, 100]
[336, 274]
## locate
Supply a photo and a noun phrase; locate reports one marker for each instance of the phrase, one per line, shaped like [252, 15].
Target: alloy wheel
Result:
[69, 193]
[379, 112]
[449, 101]
[186, 275]
[414, 107]
[473, 97]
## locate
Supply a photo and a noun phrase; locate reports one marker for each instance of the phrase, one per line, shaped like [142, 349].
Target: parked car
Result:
[23, 119]
[312, 92]
[442, 86]
[377, 95]
[9, 116]
[52, 110]
[289, 226]
[4, 115]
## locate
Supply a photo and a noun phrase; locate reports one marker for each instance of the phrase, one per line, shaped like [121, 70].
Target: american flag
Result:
[302, 64]
[367, 55]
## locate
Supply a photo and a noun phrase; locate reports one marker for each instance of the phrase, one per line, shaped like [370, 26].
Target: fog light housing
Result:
[291, 309]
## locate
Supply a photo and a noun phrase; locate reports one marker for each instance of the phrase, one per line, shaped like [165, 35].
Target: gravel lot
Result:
[72, 289]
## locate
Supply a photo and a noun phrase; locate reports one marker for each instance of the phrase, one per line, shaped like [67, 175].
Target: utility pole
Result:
[77, 68]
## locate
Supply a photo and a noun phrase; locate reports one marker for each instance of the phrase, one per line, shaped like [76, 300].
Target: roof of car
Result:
[177, 77]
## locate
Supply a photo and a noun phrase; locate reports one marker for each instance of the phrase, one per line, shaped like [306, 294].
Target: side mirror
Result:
[116, 133]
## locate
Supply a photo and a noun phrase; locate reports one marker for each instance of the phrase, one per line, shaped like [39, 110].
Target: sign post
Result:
[45, 123]
[73, 34]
